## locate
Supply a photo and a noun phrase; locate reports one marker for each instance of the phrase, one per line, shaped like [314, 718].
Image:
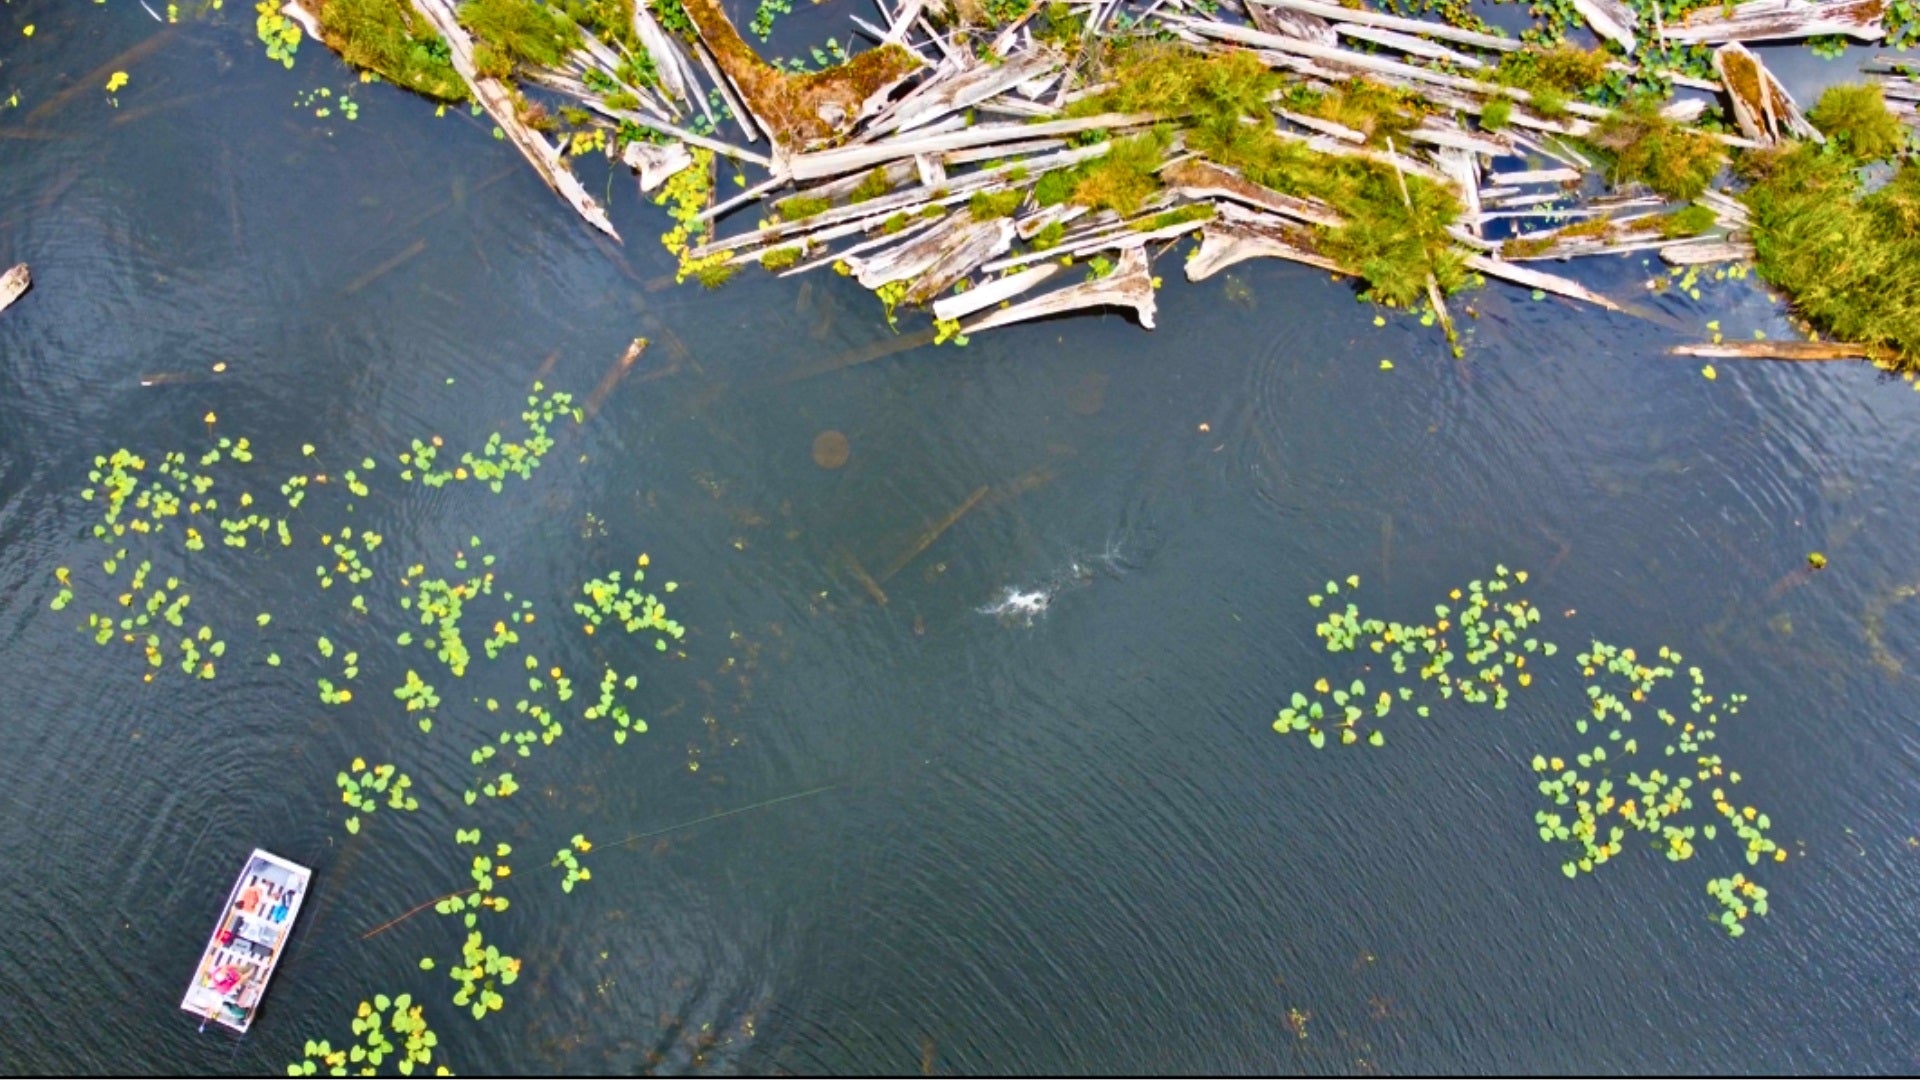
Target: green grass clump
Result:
[1055, 187]
[1125, 177]
[1379, 113]
[795, 207]
[1691, 221]
[1392, 242]
[894, 224]
[609, 20]
[1856, 116]
[1173, 81]
[389, 38]
[1497, 114]
[519, 32]
[1552, 76]
[1049, 236]
[715, 275]
[1645, 147]
[1850, 263]
[780, 258]
[873, 185]
[987, 205]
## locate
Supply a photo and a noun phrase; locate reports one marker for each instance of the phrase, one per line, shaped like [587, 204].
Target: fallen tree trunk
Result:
[1777, 350]
[1130, 286]
[1776, 20]
[494, 97]
[1535, 279]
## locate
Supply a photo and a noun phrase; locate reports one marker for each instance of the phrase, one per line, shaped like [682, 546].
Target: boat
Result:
[247, 941]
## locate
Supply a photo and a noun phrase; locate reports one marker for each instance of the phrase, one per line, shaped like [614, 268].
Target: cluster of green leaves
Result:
[608, 707]
[1590, 808]
[280, 34]
[566, 857]
[765, 13]
[137, 505]
[402, 1019]
[359, 784]
[419, 696]
[498, 458]
[631, 608]
[349, 670]
[484, 873]
[483, 968]
[349, 558]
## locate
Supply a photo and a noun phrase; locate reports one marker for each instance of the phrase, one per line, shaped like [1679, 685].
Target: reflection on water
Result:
[1072, 846]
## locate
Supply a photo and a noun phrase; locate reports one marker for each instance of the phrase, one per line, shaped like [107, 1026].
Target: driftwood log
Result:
[13, 284]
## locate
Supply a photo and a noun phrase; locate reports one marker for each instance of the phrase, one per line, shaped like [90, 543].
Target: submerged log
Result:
[493, 96]
[1775, 20]
[13, 283]
[1129, 285]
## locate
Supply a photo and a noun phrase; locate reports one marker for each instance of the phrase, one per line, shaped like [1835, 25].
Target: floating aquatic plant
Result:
[359, 784]
[568, 858]
[1594, 797]
[632, 609]
[376, 1024]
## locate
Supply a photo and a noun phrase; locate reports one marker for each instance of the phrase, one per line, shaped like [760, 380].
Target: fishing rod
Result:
[634, 839]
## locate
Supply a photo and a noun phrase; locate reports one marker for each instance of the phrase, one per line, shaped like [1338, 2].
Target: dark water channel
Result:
[1070, 844]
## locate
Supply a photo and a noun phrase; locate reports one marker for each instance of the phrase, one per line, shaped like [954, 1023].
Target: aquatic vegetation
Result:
[402, 1019]
[1856, 116]
[1851, 262]
[390, 38]
[280, 34]
[517, 32]
[140, 500]
[630, 608]
[359, 784]
[484, 967]
[685, 196]
[498, 458]
[1594, 796]
[1642, 146]
[566, 857]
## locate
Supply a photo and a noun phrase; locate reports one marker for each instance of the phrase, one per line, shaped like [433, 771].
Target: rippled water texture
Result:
[1056, 835]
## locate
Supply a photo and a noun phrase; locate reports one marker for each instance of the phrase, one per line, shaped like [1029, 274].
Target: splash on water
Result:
[1022, 606]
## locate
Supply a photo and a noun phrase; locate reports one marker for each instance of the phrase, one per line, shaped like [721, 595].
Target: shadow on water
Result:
[1022, 645]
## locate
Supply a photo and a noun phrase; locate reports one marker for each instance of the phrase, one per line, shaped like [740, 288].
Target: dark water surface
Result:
[1073, 845]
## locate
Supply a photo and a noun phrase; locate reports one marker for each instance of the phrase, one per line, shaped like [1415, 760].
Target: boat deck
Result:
[247, 941]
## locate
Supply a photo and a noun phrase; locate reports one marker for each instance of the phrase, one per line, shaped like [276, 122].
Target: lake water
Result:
[1064, 843]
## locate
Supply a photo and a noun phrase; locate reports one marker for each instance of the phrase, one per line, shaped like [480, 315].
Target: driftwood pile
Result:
[941, 124]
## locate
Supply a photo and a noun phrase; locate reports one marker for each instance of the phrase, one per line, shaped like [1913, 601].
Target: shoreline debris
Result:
[967, 156]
